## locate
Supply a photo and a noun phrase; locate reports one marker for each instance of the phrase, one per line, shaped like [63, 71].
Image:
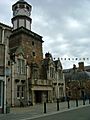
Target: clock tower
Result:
[21, 15]
[22, 36]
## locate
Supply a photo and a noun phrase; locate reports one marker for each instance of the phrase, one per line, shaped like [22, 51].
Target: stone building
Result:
[5, 84]
[27, 47]
[77, 81]
[29, 77]
[52, 70]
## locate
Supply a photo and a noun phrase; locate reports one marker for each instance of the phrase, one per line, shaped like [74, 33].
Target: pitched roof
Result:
[82, 75]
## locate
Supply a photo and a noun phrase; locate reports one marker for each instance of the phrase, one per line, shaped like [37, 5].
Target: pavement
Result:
[33, 112]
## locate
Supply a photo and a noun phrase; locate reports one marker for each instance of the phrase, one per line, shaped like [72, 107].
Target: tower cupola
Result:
[21, 15]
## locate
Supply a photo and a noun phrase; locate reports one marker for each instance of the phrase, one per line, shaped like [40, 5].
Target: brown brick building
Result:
[77, 81]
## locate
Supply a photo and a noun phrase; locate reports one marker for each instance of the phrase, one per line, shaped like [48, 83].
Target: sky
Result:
[63, 24]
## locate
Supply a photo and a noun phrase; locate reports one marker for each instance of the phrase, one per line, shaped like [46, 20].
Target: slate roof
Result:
[82, 75]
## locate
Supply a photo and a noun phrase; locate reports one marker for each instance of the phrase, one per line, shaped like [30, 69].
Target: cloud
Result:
[73, 24]
[64, 25]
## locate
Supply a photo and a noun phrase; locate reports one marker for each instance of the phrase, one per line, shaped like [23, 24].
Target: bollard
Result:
[89, 100]
[44, 107]
[83, 101]
[68, 102]
[57, 104]
[76, 102]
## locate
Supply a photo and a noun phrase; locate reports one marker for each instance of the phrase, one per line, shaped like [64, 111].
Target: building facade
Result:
[28, 77]
[77, 81]
[5, 32]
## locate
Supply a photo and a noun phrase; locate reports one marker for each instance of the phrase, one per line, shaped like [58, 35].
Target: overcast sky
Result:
[64, 25]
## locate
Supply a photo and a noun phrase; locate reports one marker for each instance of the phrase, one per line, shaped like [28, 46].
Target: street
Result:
[77, 114]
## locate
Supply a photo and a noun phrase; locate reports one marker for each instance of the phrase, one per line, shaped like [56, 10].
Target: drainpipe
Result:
[5, 80]
[27, 86]
[12, 83]
[4, 84]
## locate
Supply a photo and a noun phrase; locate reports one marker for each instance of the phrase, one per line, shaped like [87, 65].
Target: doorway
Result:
[38, 96]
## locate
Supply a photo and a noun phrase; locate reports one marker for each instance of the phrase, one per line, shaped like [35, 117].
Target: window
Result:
[21, 66]
[9, 63]
[0, 94]
[51, 72]
[27, 8]
[28, 24]
[0, 34]
[22, 91]
[33, 53]
[18, 91]
[21, 6]
[16, 7]
[35, 74]
[33, 43]
[15, 24]
[21, 22]
[60, 74]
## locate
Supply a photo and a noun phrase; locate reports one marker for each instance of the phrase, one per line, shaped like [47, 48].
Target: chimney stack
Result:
[81, 66]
